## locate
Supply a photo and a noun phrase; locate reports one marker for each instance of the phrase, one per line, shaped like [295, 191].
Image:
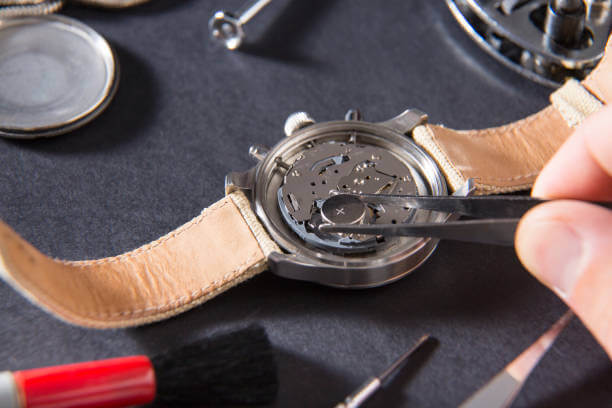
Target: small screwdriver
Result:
[373, 384]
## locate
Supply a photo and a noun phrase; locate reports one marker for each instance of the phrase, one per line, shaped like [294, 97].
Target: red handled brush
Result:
[234, 368]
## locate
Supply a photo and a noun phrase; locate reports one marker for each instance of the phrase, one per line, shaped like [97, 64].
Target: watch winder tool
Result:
[502, 389]
[226, 27]
[547, 41]
[502, 214]
[373, 384]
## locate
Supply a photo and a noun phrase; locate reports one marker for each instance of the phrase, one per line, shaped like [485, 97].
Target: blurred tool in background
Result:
[547, 41]
[226, 27]
[501, 391]
[234, 368]
[373, 384]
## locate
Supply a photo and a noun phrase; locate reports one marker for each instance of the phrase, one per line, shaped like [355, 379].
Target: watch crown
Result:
[297, 121]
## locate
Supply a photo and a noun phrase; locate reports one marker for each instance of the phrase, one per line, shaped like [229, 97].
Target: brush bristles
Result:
[234, 368]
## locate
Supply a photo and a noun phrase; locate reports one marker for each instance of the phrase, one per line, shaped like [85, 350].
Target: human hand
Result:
[567, 245]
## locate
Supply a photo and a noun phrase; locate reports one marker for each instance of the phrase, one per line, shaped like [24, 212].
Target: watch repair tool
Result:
[57, 74]
[545, 40]
[230, 369]
[373, 384]
[226, 28]
[502, 214]
[502, 389]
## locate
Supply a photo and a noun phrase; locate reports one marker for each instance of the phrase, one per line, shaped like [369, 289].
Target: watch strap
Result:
[499, 160]
[220, 248]
[507, 158]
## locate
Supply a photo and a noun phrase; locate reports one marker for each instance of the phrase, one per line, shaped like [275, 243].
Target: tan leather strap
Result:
[509, 158]
[190, 265]
[502, 159]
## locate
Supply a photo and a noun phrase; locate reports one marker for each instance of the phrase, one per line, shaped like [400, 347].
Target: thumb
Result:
[567, 245]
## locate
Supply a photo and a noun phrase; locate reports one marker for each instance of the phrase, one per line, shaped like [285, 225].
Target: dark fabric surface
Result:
[185, 114]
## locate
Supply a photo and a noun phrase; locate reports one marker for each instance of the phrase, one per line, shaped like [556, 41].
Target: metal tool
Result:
[502, 389]
[503, 212]
[564, 22]
[544, 40]
[227, 27]
[373, 384]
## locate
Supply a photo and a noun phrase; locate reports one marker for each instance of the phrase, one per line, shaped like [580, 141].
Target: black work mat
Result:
[184, 116]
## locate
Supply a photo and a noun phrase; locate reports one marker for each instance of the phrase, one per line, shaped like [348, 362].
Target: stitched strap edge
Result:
[424, 137]
[574, 102]
[266, 243]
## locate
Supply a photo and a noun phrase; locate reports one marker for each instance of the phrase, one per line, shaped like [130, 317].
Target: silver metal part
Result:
[353, 114]
[9, 395]
[501, 213]
[494, 231]
[564, 22]
[502, 206]
[373, 384]
[545, 40]
[57, 74]
[227, 28]
[258, 152]
[501, 216]
[344, 209]
[297, 121]
[363, 393]
[356, 150]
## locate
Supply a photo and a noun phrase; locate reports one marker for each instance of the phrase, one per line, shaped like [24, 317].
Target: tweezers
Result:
[499, 217]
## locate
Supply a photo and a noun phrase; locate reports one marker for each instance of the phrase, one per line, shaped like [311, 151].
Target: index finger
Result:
[582, 167]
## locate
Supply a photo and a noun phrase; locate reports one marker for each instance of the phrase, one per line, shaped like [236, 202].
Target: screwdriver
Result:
[373, 384]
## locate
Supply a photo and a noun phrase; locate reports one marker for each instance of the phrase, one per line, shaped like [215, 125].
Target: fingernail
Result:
[552, 251]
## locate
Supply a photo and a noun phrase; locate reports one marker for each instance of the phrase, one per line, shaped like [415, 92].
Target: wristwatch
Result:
[268, 218]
